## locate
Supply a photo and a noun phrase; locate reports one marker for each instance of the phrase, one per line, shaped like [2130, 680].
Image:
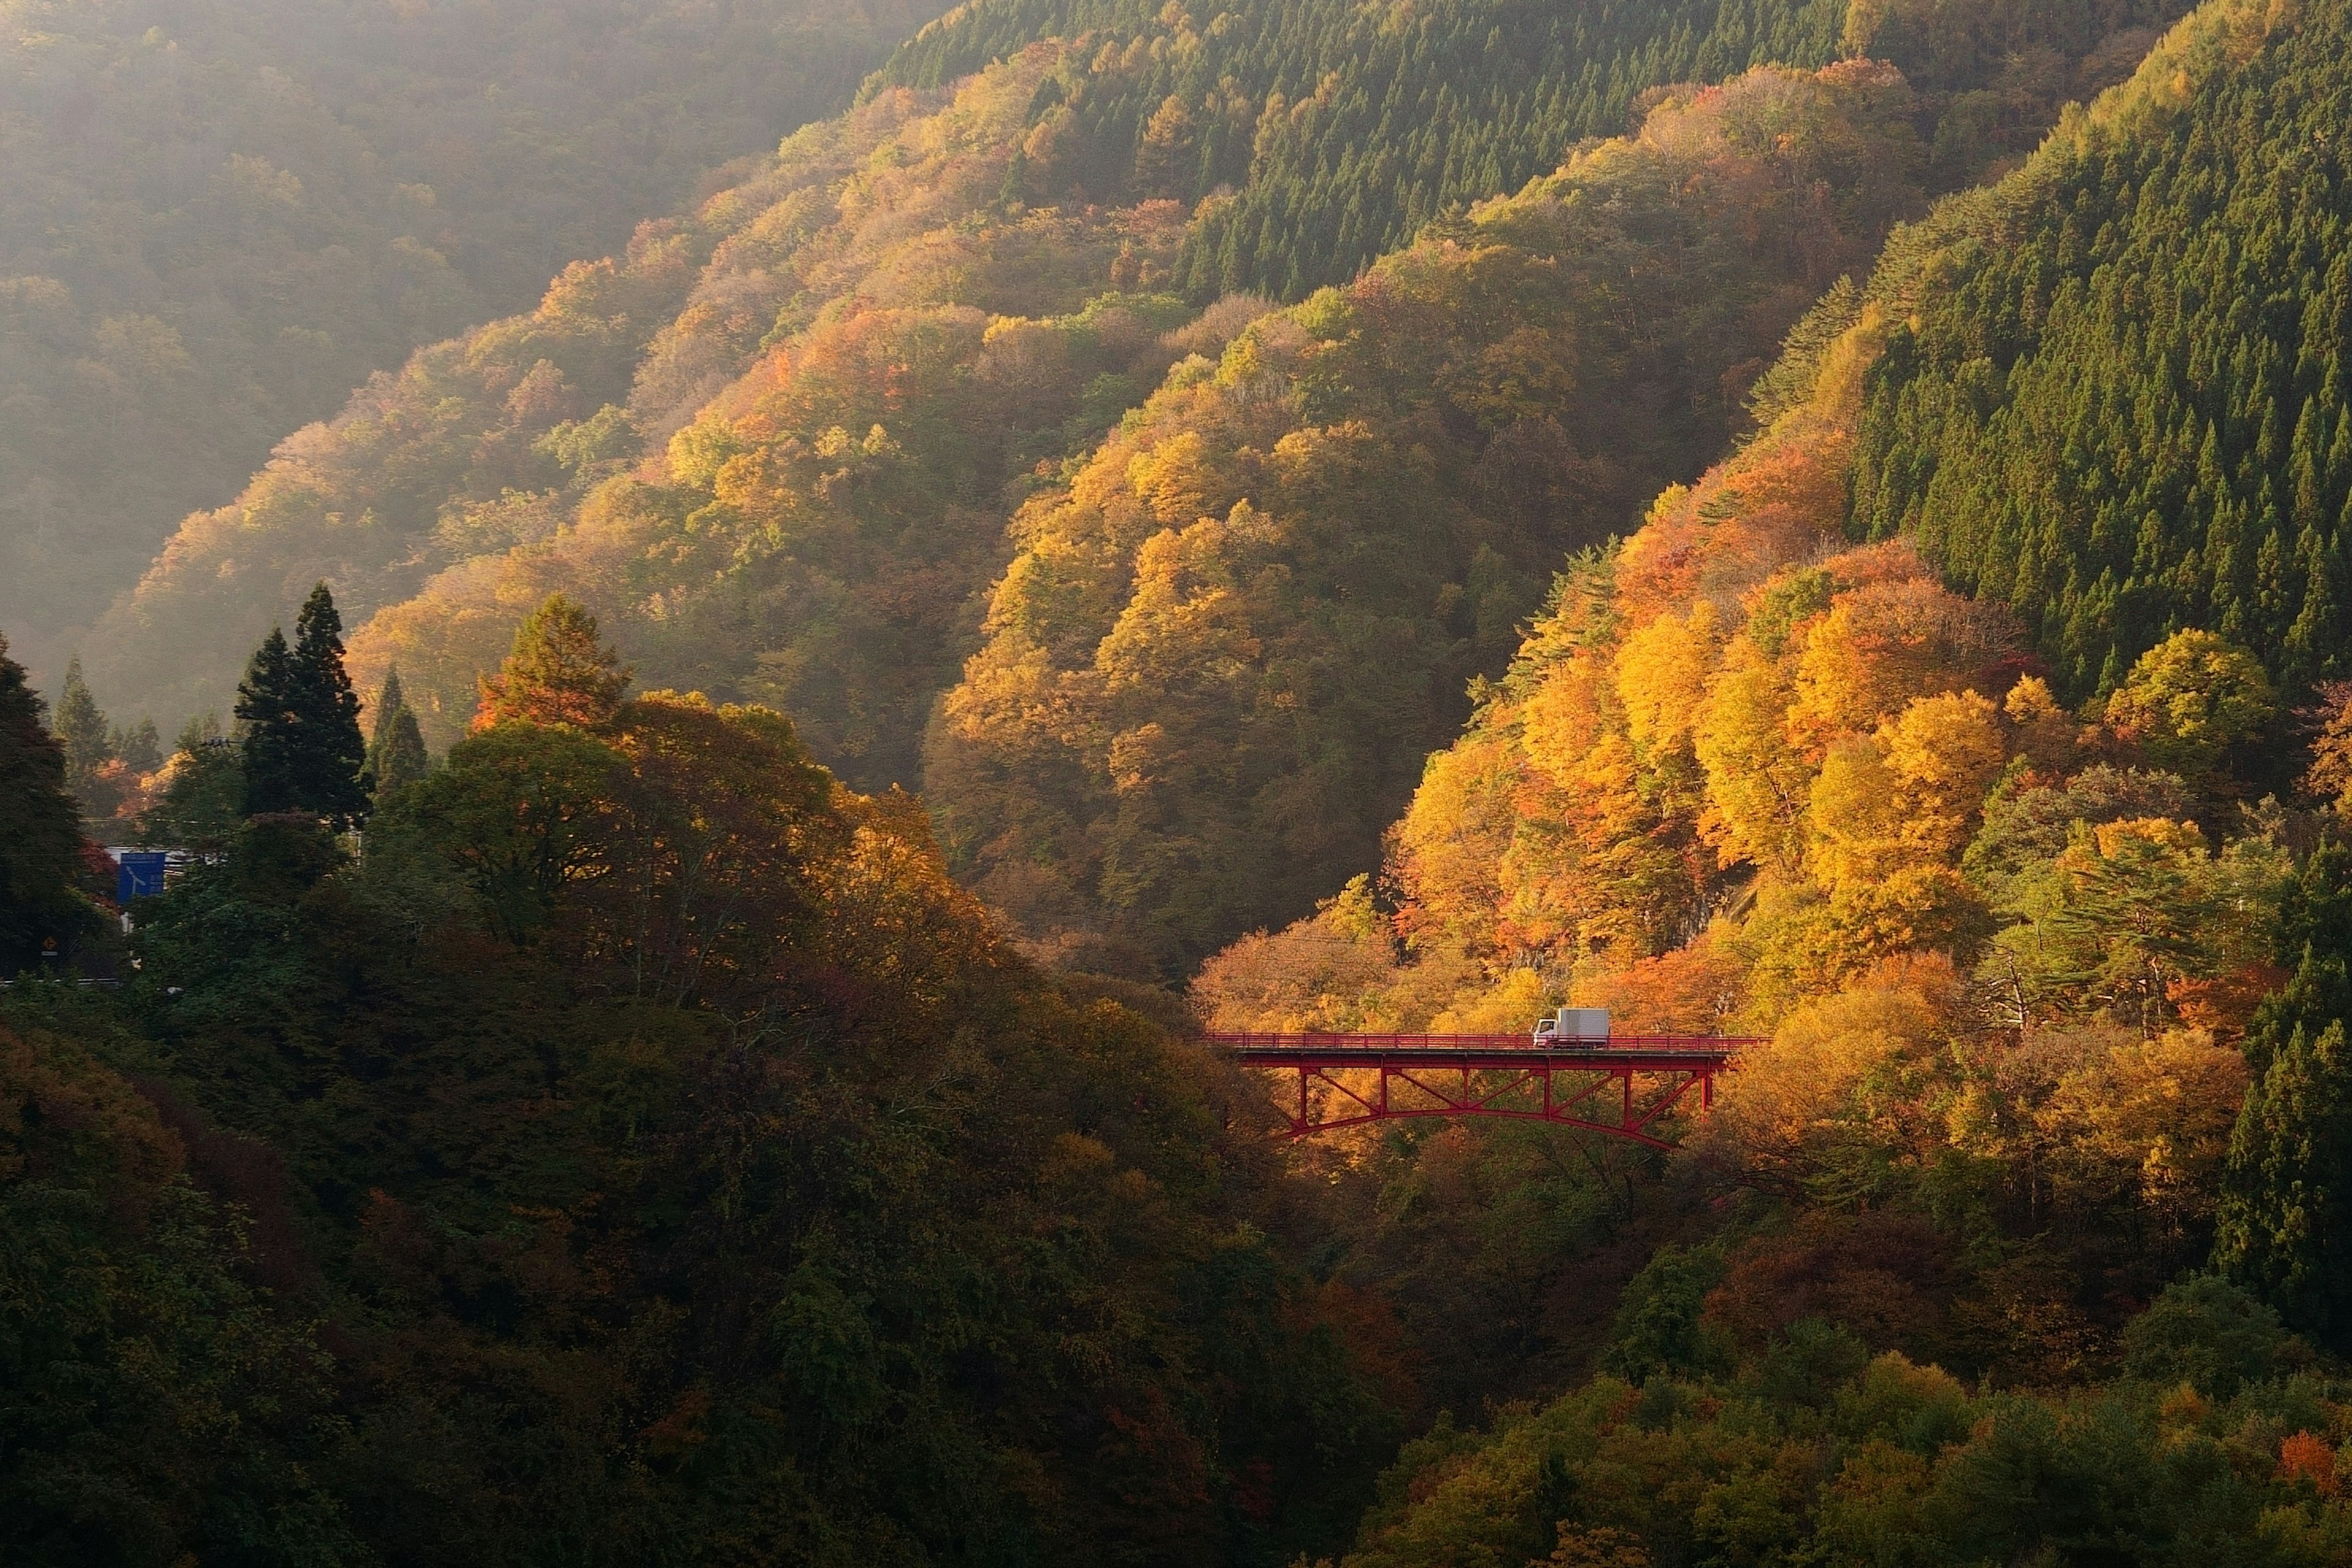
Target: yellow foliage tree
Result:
[2190, 700]
[2146, 1119]
[1758, 782]
[1841, 1082]
[1662, 675]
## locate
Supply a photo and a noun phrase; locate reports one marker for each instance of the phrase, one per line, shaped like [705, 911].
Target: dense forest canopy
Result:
[777, 444]
[2126, 416]
[1325, 133]
[1220, 653]
[1817, 560]
[2052, 1093]
[1339, 130]
[218, 216]
[644, 1152]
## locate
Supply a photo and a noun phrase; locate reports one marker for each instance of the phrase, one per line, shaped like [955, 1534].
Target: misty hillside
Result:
[218, 218]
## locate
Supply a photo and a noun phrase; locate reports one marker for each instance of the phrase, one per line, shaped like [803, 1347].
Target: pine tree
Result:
[396, 753]
[40, 830]
[558, 672]
[389, 701]
[89, 745]
[404, 759]
[265, 705]
[140, 748]
[2285, 1221]
[303, 752]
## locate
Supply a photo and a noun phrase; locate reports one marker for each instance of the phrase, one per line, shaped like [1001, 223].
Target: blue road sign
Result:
[141, 875]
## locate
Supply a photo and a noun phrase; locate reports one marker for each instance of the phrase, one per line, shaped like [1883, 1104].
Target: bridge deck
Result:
[1563, 1083]
[1664, 1053]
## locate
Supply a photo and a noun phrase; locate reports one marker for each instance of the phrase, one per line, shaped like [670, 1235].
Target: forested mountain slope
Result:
[1327, 133]
[642, 1154]
[1068, 150]
[1665, 797]
[1184, 709]
[217, 216]
[890, 343]
[2049, 1101]
[1219, 655]
[1340, 130]
[2120, 405]
[646, 1150]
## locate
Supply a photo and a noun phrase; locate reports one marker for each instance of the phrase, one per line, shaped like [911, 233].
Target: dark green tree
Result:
[389, 701]
[140, 748]
[265, 705]
[40, 830]
[81, 727]
[396, 753]
[303, 751]
[88, 744]
[2285, 1222]
[153, 1409]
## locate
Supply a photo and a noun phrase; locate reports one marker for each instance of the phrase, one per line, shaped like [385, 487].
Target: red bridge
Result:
[1620, 1086]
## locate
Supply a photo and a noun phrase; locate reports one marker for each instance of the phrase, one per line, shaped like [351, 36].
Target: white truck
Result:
[1575, 1029]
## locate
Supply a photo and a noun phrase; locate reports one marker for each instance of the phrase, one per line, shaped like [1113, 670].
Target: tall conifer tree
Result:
[389, 699]
[88, 744]
[265, 706]
[2285, 1221]
[396, 753]
[40, 830]
[558, 672]
[303, 751]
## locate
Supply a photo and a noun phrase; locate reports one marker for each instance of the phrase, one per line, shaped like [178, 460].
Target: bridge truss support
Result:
[1624, 1089]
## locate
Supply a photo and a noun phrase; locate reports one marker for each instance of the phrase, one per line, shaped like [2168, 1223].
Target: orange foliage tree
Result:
[558, 672]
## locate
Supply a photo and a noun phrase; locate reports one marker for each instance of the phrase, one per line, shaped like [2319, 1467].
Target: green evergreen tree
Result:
[88, 744]
[140, 748]
[396, 753]
[303, 751]
[40, 830]
[404, 759]
[265, 705]
[389, 701]
[2285, 1221]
